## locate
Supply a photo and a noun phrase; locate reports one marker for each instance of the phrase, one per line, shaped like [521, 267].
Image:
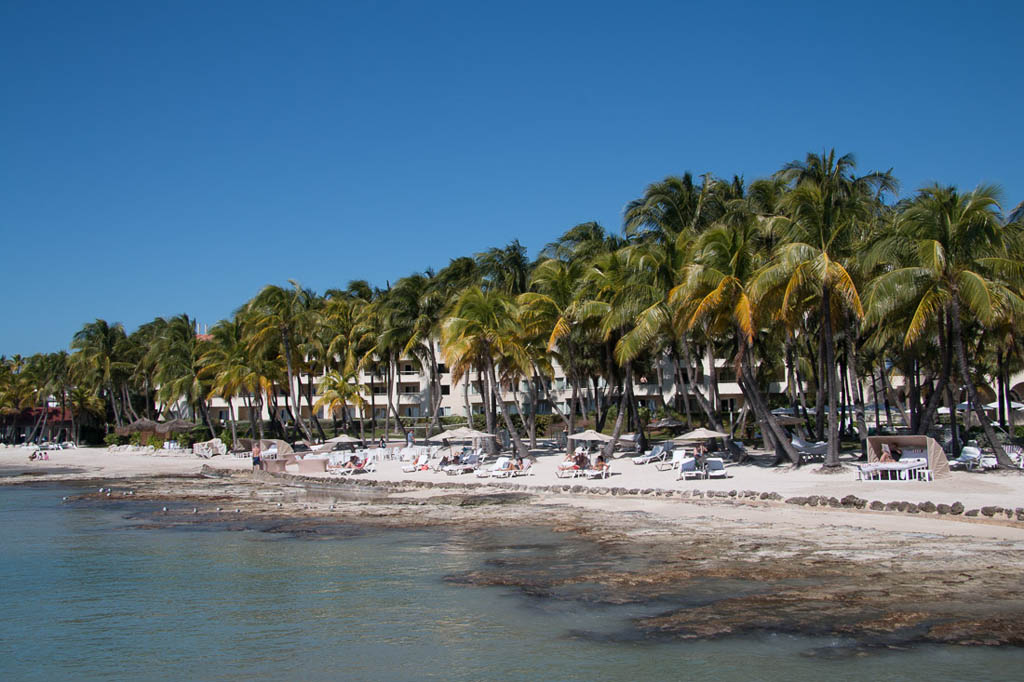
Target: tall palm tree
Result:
[715, 290]
[822, 210]
[98, 355]
[277, 316]
[337, 390]
[226, 362]
[482, 328]
[964, 264]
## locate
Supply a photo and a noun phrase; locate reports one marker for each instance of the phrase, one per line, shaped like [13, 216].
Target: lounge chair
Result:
[501, 464]
[688, 469]
[365, 466]
[656, 454]
[812, 449]
[420, 462]
[677, 459]
[603, 472]
[715, 468]
[468, 465]
[527, 469]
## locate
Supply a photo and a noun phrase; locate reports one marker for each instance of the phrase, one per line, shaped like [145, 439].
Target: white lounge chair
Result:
[421, 461]
[364, 466]
[677, 459]
[715, 468]
[527, 469]
[501, 464]
[688, 469]
[603, 472]
[657, 453]
[468, 465]
[812, 449]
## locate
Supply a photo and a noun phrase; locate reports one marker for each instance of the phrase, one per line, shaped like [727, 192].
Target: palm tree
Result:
[177, 351]
[98, 354]
[822, 210]
[964, 262]
[276, 317]
[338, 390]
[482, 328]
[715, 290]
[225, 361]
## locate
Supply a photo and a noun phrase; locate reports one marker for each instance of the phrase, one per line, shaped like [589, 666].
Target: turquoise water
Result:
[88, 594]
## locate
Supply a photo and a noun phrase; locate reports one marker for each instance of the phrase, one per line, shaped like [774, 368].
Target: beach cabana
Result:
[926, 445]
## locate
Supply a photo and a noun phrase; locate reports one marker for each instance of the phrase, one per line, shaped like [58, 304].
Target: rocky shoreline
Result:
[821, 575]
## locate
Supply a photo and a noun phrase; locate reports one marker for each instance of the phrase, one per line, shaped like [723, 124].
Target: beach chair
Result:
[603, 472]
[468, 465]
[502, 463]
[810, 449]
[527, 469]
[688, 469]
[677, 458]
[365, 466]
[656, 454]
[715, 468]
[419, 463]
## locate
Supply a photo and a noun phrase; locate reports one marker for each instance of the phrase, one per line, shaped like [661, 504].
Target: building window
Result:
[442, 368]
[446, 389]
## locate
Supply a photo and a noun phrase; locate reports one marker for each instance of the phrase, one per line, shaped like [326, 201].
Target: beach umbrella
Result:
[1013, 406]
[942, 410]
[343, 438]
[700, 434]
[590, 435]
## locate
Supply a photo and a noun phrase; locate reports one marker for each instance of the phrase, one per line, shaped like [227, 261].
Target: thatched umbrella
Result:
[141, 425]
[175, 426]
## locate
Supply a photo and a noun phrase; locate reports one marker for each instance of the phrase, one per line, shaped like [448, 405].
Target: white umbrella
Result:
[590, 435]
[1013, 406]
[942, 410]
[343, 438]
[700, 434]
[460, 433]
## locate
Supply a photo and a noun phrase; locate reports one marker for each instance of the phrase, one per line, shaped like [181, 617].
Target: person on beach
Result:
[353, 462]
[600, 464]
[257, 459]
[382, 443]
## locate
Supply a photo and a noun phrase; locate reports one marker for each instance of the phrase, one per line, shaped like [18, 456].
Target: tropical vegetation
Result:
[819, 279]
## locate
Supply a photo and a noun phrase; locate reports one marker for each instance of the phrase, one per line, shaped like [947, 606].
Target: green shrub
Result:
[225, 435]
[114, 439]
[183, 440]
[156, 442]
[135, 439]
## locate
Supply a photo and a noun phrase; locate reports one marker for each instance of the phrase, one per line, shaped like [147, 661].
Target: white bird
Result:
[218, 509]
[101, 489]
[194, 510]
[278, 505]
[65, 498]
[236, 510]
[165, 508]
[108, 494]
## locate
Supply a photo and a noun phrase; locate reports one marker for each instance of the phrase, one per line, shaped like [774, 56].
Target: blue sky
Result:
[168, 157]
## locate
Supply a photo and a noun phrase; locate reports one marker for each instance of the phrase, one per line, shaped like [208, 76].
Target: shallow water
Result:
[84, 592]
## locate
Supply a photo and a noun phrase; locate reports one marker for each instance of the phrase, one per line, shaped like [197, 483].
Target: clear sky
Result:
[168, 157]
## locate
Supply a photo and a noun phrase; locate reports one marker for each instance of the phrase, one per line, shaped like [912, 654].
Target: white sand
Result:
[972, 490]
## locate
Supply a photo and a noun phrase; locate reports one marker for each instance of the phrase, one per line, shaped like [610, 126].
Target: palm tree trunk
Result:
[928, 415]
[231, 416]
[770, 426]
[609, 447]
[819, 401]
[858, 400]
[702, 401]
[972, 391]
[517, 444]
[832, 458]
[292, 391]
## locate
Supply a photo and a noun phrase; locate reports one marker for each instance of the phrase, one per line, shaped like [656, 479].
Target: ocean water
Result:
[87, 593]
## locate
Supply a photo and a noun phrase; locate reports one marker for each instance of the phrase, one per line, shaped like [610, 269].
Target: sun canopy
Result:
[175, 426]
[590, 435]
[458, 434]
[1013, 406]
[343, 438]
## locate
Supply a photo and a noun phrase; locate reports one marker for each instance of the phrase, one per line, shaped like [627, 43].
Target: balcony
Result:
[410, 398]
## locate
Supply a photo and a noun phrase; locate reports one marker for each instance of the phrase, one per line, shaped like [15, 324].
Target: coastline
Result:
[884, 578]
